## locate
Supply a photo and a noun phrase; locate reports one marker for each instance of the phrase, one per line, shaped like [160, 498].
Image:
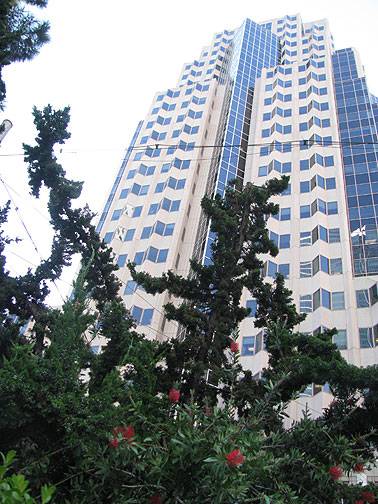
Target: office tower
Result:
[263, 100]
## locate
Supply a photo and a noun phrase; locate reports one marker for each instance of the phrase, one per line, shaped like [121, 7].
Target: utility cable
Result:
[27, 230]
[162, 146]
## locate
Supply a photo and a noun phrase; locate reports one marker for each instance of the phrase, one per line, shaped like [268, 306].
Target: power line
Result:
[308, 142]
[24, 198]
[26, 229]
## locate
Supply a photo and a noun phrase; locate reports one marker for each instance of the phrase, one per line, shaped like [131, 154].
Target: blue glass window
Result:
[159, 187]
[121, 260]
[137, 211]
[305, 186]
[304, 164]
[123, 194]
[154, 207]
[146, 232]
[284, 214]
[332, 207]
[252, 305]
[129, 235]
[305, 211]
[131, 287]
[138, 258]
[108, 237]
[284, 241]
[116, 214]
[248, 345]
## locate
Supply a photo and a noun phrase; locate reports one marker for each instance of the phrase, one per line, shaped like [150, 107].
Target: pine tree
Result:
[22, 35]
[209, 300]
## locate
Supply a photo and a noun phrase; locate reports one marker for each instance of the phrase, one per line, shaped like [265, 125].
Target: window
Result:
[191, 130]
[165, 168]
[129, 235]
[305, 304]
[156, 255]
[338, 302]
[366, 338]
[169, 205]
[336, 266]
[121, 260]
[362, 298]
[159, 187]
[146, 232]
[284, 269]
[332, 208]
[284, 214]
[334, 235]
[131, 287]
[142, 316]
[154, 207]
[137, 211]
[305, 269]
[305, 186]
[284, 241]
[252, 305]
[140, 190]
[305, 239]
[108, 237]
[138, 258]
[116, 214]
[248, 345]
[340, 339]
[131, 173]
[146, 170]
[176, 183]
[305, 211]
[123, 194]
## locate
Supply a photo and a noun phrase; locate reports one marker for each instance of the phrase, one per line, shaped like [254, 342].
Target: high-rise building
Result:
[262, 100]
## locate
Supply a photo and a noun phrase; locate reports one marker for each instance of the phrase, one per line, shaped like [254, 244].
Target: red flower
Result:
[234, 347]
[127, 432]
[358, 468]
[113, 443]
[335, 472]
[368, 496]
[235, 458]
[174, 395]
[156, 499]
[359, 502]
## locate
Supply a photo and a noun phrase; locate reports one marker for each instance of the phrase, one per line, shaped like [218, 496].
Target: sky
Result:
[106, 60]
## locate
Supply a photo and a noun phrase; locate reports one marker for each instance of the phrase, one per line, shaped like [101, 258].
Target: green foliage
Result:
[208, 303]
[14, 489]
[103, 428]
[22, 35]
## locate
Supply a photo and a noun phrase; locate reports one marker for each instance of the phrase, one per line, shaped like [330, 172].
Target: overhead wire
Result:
[26, 229]
[163, 146]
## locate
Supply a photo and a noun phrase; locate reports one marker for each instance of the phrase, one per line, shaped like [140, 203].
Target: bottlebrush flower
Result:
[174, 395]
[113, 443]
[235, 458]
[358, 468]
[127, 432]
[368, 496]
[234, 347]
[335, 472]
[156, 499]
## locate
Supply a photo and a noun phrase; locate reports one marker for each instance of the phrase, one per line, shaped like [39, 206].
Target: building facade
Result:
[262, 100]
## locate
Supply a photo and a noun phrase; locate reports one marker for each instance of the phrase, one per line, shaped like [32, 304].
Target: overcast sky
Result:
[106, 59]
